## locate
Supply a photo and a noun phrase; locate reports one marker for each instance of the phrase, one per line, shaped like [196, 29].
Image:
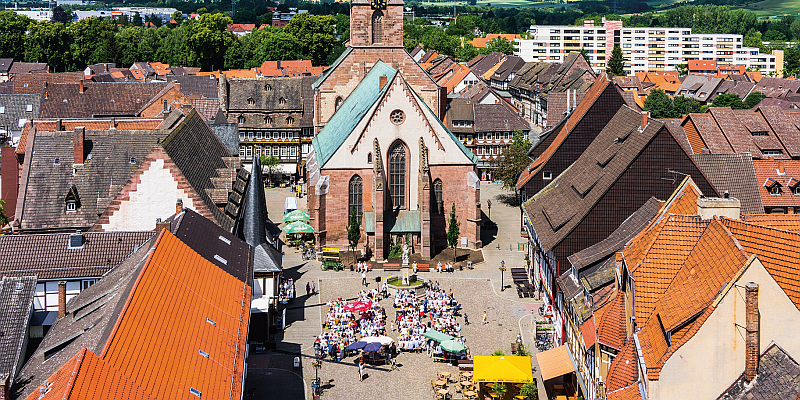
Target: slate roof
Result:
[511, 65]
[204, 86]
[498, 117]
[92, 123]
[35, 83]
[251, 226]
[675, 127]
[208, 108]
[48, 256]
[296, 92]
[15, 109]
[617, 240]
[778, 378]
[483, 63]
[5, 64]
[167, 288]
[735, 173]
[16, 306]
[774, 87]
[64, 100]
[214, 244]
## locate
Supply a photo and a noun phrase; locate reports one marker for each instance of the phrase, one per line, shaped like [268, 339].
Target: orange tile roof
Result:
[85, 376]
[488, 74]
[623, 371]
[768, 173]
[778, 250]
[482, 42]
[610, 319]
[665, 82]
[188, 292]
[459, 73]
[684, 200]
[589, 99]
[240, 73]
[784, 222]
[628, 393]
[589, 333]
[755, 76]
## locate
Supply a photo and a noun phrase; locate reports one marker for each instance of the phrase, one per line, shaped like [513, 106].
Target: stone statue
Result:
[405, 254]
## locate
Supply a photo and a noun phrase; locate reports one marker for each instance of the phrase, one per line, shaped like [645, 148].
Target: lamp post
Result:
[489, 204]
[502, 270]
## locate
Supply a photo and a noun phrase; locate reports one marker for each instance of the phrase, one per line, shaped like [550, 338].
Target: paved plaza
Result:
[272, 375]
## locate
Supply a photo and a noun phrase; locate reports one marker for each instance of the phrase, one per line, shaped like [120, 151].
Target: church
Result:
[383, 153]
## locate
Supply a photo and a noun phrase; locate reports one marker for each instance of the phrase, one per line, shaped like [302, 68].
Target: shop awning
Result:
[516, 369]
[554, 362]
[260, 305]
[437, 336]
[286, 168]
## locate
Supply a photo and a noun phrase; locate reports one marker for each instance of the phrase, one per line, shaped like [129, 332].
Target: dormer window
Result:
[281, 101]
[267, 87]
[71, 208]
[759, 133]
[132, 160]
[289, 121]
[240, 119]
[547, 175]
[268, 120]
[796, 190]
[775, 190]
[57, 161]
[251, 101]
[768, 153]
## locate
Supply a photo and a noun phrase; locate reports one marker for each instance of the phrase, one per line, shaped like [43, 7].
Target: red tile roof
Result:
[786, 173]
[629, 393]
[610, 318]
[482, 42]
[623, 370]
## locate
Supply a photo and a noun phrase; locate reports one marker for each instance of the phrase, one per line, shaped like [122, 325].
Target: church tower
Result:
[376, 23]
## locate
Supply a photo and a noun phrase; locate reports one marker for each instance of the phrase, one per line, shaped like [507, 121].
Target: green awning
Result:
[453, 346]
[296, 215]
[298, 227]
[437, 336]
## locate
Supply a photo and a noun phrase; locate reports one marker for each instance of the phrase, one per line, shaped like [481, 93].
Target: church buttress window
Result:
[397, 175]
[356, 197]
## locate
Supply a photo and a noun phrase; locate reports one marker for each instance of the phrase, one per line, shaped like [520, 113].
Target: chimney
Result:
[82, 88]
[186, 108]
[166, 105]
[727, 206]
[781, 167]
[574, 99]
[645, 115]
[752, 339]
[705, 151]
[179, 206]
[5, 385]
[567, 112]
[161, 225]
[382, 81]
[58, 126]
[105, 67]
[62, 299]
[79, 139]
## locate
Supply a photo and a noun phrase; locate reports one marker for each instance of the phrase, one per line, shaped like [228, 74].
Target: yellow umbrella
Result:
[516, 369]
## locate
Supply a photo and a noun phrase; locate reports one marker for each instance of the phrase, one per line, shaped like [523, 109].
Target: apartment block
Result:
[644, 49]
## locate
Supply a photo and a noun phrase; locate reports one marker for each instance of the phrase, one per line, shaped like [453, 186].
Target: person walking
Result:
[485, 321]
[364, 278]
[308, 289]
[466, 319]
[313, 288]
[361, 370]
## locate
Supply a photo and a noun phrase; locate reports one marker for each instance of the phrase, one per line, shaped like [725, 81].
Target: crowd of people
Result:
[415, 315]
[342, 328]
[286, 289]
[446, 267]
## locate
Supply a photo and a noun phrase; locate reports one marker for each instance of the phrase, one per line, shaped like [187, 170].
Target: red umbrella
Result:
[358, 306]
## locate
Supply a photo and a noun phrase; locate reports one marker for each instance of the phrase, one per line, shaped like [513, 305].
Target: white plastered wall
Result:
[714, 357]
[155, 197]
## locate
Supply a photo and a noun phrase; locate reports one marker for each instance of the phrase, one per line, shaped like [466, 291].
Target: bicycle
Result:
[316, 386]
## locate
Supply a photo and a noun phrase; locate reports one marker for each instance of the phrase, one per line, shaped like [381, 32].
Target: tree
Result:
[354, 229]
[48, 42]
[682, 105]
[207, 40]
[466, 53]
[683, 69]
[177, 16]
[128, 40]
[317, 33]
[434, 38]
[172, 47]
[500, 45]
[271, 162]
[89, 36]
[753, 99]
[4, 220]
[12, 34]
[59, 15]
[616, 64]
[791, 61]
[512, 161]
[137, 19]
[530, 390]
[452, 231]
[659, 104]
[731, 100]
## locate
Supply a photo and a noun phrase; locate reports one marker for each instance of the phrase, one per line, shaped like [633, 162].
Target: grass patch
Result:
[768, 8]
[398, 282]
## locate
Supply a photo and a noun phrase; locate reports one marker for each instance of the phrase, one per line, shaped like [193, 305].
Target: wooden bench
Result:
[423, 268]
[391, 267]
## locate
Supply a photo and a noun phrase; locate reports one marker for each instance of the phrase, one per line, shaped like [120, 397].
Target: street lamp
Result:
[489, 204]
[502, 270]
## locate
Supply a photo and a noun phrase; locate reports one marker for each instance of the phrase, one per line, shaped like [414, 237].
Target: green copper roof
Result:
[351, 112]
[327, 71]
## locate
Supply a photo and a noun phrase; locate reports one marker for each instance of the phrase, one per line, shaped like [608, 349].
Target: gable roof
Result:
[778, 378]
[352, 110]
[35, 83]
[482, 64]
[65, 100]
[166, 288]
[623, 371]
[735, 173]
[610, 318]
[498, 117]
[18, 108]
[783, 222]
[197, 85]
[19, 67]
[16, 306]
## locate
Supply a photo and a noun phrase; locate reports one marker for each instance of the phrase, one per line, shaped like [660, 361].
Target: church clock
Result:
[378, 4]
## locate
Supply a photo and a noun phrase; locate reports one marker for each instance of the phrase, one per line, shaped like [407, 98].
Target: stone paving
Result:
[273, 376]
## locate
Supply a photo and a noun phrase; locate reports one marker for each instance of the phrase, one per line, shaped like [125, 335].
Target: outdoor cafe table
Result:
[443, 391]
[440, 382]
[444, 374]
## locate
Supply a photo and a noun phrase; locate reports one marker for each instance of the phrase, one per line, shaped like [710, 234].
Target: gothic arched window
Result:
[377, 27]
[437, 195]
[397, 175]
[356, 197]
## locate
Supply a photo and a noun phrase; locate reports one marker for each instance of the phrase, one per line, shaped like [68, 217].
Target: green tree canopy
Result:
[90, 37]
[731, 100]
[659, 104]
[466, 53]
[453, 231]
[354, 229]
[512, 161]
[685, 105]
[207, 40]
[317, 33]
[12, 34]
[753, 99]
[616, 64]
[500, 45]
[48, 42]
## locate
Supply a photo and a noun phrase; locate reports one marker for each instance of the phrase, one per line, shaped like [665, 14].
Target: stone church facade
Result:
[387, 157]
[376, 33]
